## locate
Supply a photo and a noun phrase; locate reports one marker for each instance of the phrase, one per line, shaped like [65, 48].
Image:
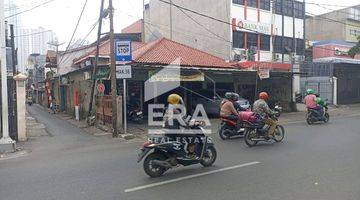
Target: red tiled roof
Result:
[164, 51]
[135, 27]
[105, 50]
[259, 64]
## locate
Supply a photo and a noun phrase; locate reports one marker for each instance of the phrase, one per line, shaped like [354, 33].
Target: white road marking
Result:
[189, 177]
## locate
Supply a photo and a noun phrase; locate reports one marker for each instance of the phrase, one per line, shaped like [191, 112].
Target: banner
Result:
[167, 77]
[264, 73]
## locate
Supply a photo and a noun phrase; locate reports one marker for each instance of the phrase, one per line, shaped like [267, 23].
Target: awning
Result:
[258, 64]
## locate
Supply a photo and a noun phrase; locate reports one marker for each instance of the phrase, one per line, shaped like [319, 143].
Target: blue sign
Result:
[123, 50]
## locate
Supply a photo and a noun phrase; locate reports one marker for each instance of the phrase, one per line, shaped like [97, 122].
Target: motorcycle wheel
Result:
[209, 158]
[327, 117]
[279, 133]
[152, 170]
[249, 135]
[222, 132]
[309, 120]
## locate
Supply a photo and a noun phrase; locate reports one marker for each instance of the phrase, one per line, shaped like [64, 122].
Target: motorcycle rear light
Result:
[145, 144]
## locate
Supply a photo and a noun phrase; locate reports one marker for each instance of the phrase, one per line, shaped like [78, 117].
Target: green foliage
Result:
[356, 49]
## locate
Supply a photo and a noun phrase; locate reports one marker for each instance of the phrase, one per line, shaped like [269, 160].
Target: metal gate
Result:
[322, 85]
[12, 117]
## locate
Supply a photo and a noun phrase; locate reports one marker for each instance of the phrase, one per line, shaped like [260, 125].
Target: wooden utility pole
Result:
[113, 71]
[96, 58]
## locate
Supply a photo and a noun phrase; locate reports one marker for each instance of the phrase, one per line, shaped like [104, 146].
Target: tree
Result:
[355, 49]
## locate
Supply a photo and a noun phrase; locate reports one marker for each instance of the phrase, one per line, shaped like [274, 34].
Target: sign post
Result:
[123, 54]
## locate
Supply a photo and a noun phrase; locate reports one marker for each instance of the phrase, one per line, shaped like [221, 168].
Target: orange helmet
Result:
[264, 96]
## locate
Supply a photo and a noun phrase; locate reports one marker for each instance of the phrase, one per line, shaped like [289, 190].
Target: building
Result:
[272, 30]
[343, 24]
[332, 49]
[27, 40]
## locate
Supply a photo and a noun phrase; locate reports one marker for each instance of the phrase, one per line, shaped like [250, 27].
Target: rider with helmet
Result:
[175, 106]
[313, 102]
[262, 109]
[227, 108]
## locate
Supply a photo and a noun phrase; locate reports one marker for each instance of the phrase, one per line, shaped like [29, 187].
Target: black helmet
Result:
[231, 96]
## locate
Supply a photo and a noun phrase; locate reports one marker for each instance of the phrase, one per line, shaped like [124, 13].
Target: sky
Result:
[61, 15]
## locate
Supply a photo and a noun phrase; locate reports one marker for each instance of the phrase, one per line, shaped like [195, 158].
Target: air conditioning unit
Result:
[239, 54]
[276, 57]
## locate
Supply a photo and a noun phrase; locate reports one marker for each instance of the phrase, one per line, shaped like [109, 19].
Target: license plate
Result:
[139, 113]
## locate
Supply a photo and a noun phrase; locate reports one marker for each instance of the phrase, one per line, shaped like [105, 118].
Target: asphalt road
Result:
[319, 162]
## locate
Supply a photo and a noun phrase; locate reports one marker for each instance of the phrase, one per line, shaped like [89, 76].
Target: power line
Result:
[30, 9]
[75, 29]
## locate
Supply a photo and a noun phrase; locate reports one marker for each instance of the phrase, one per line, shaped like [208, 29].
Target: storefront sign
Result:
[199, 77]
[123, 71]
[241, 25]
[263, 73]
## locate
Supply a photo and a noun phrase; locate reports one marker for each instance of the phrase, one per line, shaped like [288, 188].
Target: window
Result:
[278, 7]
[251, 40]
[265, 42]
[354, 14]
[354, 32]
[299, 46]
[238, 39]
[299, 9]
[288, 45]
[288, 8]
[265, 4]
[277, 44]
[252, 3]
[240, 2]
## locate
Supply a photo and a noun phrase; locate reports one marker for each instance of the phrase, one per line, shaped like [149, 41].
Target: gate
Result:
[12, 117]
[322, 85]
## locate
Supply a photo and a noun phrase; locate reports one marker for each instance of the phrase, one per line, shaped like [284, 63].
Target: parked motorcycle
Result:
[167, 153]
[258, 131]
[29, 100]
[313, 116]
[134, 113]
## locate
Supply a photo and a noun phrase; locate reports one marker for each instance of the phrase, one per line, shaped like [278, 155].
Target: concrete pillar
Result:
[21, 108]
[334, 80]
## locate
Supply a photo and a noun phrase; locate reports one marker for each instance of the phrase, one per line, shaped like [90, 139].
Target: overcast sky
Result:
[61, 15]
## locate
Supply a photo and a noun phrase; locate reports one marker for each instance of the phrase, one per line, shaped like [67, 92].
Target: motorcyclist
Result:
[175, 104]
[262, 109]
[227, 108]
[314, 103]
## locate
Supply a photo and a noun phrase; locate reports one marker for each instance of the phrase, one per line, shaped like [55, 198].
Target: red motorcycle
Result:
[231, 127]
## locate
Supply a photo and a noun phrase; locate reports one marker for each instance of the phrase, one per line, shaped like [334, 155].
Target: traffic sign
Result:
[101, 88]
[123, 71]
[123, 50]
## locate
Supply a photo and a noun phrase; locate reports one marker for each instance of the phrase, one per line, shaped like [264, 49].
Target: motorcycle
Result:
[313, 116]
[230, 128]
[134, 113]
[257, 131]
[29, 101]
[167, 153]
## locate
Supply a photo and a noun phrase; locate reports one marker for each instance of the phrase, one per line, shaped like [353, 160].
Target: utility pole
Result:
[113, 71]
[171, 23]
[13, 88]
[96, 58]
[4, 90]
[143, 22]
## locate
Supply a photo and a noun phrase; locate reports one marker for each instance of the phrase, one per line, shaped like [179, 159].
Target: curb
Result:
[17, 154]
